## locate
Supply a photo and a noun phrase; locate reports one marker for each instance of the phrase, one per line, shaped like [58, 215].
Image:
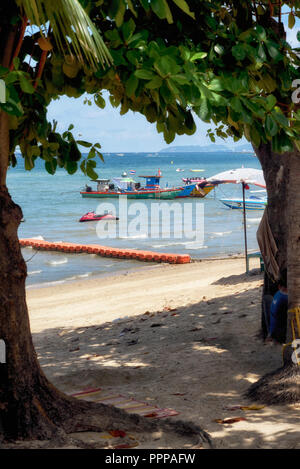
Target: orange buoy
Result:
[107, 251]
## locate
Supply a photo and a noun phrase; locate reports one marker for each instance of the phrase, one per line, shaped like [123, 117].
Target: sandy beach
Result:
[177, 336]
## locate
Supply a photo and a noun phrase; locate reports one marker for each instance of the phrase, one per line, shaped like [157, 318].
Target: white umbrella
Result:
[246, 175]
[243, 176]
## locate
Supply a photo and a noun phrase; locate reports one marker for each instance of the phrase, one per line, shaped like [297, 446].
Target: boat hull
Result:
[249, 204]
[161, 194]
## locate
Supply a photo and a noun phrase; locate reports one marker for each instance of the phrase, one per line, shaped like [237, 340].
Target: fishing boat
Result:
[126, 186]
[200, 186]
[92, 216]
[252, 203]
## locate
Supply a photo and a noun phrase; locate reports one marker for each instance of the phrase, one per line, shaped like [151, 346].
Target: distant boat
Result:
[252, 203]
[197, 170]
[179, 170]
[120, 154]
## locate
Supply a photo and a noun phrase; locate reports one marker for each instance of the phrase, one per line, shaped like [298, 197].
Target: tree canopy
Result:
[226, 61]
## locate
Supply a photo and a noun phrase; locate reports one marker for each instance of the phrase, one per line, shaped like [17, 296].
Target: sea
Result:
[203, 228]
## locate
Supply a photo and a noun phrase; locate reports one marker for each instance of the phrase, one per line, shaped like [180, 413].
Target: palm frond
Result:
[73, 30]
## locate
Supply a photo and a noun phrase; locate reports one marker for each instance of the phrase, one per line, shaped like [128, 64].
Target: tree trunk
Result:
[30, 406]
[293, 249]
[282, 173]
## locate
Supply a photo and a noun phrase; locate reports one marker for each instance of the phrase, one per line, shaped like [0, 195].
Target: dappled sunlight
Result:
[198, 359]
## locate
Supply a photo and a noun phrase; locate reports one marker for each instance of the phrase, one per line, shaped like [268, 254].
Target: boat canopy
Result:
[123, 182]
[239, 175]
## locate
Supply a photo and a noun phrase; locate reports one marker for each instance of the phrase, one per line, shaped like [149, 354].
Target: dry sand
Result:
[178, 336]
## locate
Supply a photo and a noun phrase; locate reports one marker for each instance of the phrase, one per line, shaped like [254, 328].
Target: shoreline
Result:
[125, 271]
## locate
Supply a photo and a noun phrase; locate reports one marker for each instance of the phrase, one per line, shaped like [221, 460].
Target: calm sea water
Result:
[52, 206]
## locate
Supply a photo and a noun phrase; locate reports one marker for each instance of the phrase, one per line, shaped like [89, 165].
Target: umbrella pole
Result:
[245, 228]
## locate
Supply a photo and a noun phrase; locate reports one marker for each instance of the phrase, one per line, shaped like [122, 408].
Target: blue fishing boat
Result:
[252, 203]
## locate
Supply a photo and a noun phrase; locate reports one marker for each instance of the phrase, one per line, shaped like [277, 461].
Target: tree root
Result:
[75, 417]
[281, 386]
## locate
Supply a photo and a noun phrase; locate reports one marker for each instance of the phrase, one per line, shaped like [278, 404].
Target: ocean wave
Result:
[195, 246]
[34, 272]
[58, 262]
[76, 277]
[141, 236]
[253, 220]
[218, 234]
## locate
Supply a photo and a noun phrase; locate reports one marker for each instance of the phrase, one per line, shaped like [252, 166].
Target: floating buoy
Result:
[105, 251]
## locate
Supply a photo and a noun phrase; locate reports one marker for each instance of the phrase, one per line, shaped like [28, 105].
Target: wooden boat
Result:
[126, 186]
[201, 187]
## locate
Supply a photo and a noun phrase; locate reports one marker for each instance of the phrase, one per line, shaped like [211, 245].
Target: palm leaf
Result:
[73, 30]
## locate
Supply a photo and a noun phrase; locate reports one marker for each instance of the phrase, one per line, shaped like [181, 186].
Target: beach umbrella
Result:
[242, 176]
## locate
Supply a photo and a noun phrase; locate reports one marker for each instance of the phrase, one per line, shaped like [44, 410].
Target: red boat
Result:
[92, 216]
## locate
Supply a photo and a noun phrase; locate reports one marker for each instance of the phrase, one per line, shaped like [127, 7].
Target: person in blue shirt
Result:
[278, 313]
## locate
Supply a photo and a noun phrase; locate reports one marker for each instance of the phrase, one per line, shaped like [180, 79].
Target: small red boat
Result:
[92, 216]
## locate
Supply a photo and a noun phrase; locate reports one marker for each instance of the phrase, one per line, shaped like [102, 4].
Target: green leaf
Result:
[84, 143]
[261, 53]
[198, 56]
[99, 100]
[131, 85]
[90, 165]
[236, 104]
[51, 166]
[156, 82]
[120, 13]
[144, 74]
[271, 126]
[184, 7]
[26, 86]
[204, 109]
[291, 20]
[273, 50]
[180, 79]
[158, 6]
[238, 52]
[270, 102]
[71, 167]
[128, 29]
[261, 33]
[92, 153]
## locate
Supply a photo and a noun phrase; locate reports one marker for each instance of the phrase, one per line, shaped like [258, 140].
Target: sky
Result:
[130, 132]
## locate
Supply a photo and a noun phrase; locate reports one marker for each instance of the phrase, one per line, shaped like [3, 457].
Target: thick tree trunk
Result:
[293, 249]
[282, 174]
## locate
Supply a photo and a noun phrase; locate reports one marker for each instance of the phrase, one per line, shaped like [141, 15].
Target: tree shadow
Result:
[198, 359]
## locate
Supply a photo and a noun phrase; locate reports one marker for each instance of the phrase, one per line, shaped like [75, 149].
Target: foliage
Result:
[226, 61]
